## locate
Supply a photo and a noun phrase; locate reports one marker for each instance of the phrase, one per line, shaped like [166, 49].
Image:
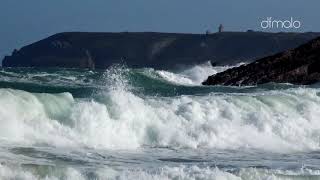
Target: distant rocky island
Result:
[298, 66]
[155, 50]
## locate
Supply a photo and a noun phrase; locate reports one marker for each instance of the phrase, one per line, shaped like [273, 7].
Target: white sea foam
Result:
[164, 173]
[267, 120]
[272, 120]
[116, 118]
[194, 75]
[19, 173]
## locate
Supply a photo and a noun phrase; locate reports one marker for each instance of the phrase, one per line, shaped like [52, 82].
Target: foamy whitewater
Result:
[124, 123]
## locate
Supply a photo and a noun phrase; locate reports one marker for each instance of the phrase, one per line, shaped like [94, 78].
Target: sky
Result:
[25, 21]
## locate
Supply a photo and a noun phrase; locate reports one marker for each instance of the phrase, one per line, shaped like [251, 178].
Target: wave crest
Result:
[268, 120]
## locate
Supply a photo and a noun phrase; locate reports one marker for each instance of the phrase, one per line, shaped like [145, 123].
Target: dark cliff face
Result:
[156, 50]
[297, 66]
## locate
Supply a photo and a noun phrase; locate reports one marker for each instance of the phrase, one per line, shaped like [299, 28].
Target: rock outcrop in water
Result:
[156, 50]
[297, 66]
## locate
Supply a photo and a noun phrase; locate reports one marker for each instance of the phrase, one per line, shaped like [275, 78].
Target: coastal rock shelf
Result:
[155, 50]
[297, 66]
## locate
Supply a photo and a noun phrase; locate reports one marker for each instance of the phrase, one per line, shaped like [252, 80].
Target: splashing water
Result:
[108, 125]
[194, 75]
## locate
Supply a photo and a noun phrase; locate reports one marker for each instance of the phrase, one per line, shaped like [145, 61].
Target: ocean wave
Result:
[194, 75]
[272, 120]
[164, 173]
[116, 117]
[75, 78]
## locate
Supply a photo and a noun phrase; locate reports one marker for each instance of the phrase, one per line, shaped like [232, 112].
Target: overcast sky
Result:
[26, 21]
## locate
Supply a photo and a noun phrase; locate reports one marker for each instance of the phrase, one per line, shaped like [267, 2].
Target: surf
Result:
[124, 123]
[116, 117]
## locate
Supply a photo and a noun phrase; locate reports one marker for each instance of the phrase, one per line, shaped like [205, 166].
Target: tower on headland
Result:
[221, 28]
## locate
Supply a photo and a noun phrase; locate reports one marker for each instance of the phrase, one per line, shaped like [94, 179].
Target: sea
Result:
[123, 123]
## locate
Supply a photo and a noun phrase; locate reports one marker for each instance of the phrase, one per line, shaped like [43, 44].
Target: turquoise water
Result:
[123, 123]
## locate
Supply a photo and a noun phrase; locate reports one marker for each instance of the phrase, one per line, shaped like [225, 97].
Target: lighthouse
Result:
[220, 29]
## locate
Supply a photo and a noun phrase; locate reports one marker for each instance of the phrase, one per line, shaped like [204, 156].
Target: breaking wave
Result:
[194, 75]
[117, 118]
[150, 124]
[165, 173]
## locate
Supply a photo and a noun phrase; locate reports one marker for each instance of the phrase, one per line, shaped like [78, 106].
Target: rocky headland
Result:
[297, 66]
[155, 50]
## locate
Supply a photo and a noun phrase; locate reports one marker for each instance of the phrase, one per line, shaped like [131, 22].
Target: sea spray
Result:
[126, 123]
[194, 75]
[277, 120]
[164, 173]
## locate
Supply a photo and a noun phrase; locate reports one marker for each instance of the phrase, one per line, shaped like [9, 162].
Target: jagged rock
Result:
[155, 50]
[297, 66]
